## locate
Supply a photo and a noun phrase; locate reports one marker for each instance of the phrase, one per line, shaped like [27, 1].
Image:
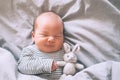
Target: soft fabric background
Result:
[94, 24]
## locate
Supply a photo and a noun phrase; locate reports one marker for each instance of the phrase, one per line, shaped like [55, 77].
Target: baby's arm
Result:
[30, 64]
[54, 66]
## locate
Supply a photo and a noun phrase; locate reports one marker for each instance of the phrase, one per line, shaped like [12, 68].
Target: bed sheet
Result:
[94, 24]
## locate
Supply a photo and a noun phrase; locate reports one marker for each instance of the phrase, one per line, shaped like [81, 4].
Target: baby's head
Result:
[48, 32]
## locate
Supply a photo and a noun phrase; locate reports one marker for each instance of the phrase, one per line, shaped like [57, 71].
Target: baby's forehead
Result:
[48, 16]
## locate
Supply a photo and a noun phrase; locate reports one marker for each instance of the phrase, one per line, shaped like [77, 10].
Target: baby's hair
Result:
[34, 26]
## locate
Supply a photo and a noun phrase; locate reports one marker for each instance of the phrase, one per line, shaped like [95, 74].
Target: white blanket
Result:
[94, 24]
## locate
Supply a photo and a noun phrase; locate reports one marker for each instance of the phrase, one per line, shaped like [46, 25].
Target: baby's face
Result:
[48, 35]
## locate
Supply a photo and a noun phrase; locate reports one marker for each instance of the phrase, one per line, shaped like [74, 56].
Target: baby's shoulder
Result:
[29, 49]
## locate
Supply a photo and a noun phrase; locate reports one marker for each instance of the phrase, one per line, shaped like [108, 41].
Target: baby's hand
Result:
[54, 66]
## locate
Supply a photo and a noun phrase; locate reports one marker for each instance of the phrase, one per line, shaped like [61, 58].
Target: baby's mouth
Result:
[49, 45]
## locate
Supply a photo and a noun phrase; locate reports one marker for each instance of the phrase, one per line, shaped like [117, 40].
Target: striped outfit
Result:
[33, 61]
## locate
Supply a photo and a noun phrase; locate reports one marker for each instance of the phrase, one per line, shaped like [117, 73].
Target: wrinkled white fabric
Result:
[94, 24]
[8, 65]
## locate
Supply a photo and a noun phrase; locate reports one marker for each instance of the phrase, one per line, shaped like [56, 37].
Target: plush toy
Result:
[70, 61]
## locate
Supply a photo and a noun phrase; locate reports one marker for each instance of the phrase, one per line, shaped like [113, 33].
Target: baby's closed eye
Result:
[58, 35]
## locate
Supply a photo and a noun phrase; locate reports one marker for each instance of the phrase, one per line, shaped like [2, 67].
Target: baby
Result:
[40, 58]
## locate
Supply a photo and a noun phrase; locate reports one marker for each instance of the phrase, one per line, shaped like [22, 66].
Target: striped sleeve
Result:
[29, 64]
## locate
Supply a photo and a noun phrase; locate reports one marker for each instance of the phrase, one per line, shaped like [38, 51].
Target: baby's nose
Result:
[51, 39]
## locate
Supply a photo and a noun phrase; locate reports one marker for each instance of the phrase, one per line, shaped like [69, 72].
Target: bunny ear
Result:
[66, 47]
[76, 48]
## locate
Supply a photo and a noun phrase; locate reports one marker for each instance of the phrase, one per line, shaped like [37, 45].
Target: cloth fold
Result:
[94, 24]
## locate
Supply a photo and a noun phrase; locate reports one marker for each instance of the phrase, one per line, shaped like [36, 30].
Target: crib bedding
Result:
[94, 24]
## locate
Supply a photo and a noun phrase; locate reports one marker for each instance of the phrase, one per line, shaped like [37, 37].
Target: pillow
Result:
[8, 65]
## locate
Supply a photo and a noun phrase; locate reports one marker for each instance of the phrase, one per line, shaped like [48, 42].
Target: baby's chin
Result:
[50, 51]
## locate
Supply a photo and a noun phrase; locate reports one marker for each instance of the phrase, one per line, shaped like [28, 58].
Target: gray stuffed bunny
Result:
[70, 61]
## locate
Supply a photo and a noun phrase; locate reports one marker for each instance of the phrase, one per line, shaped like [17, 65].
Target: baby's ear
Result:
[66, 47]
[33, 35]
[76, 48]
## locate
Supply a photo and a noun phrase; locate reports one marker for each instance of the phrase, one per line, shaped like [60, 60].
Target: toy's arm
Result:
[79, 66]
[61, 63]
